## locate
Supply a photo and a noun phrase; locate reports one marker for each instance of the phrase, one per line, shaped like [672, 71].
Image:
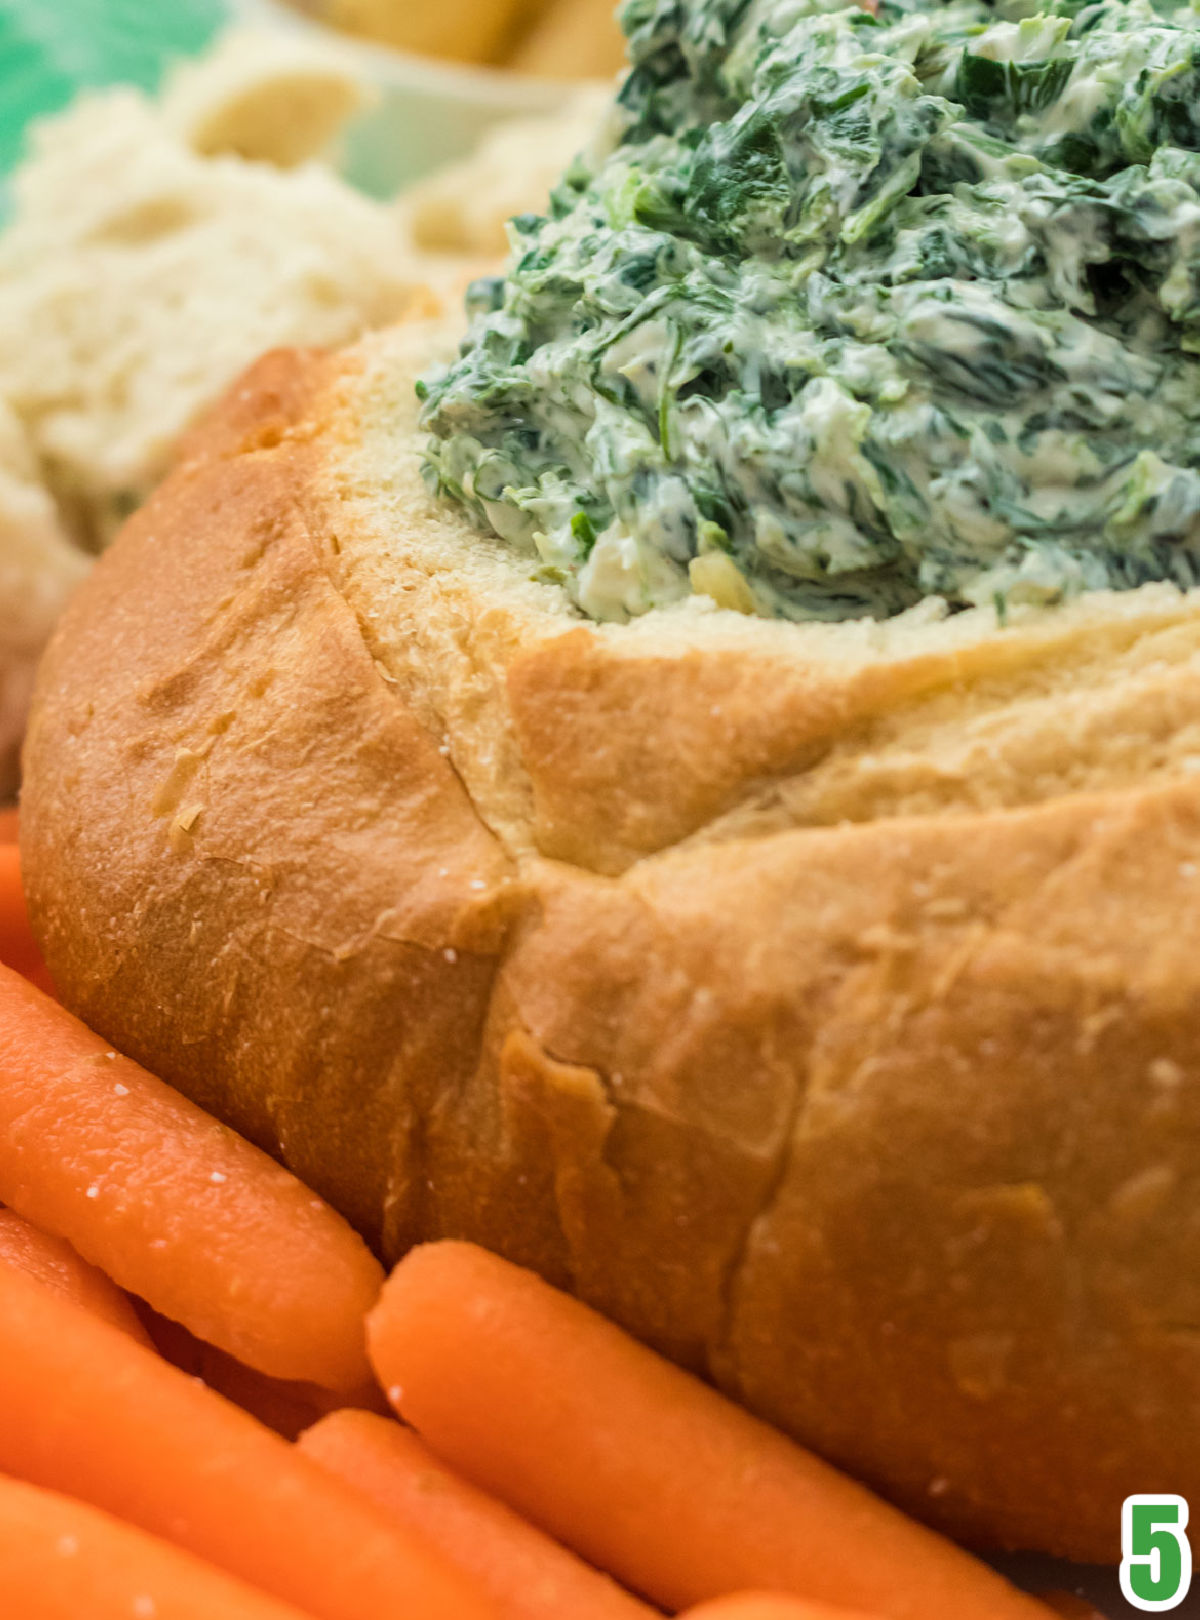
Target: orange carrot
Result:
[51, 1261]
[173, 1206]
[769, 1606]
[18, 948]
[88, 1412]
[639, 1467]
[62, 1560]
[528, 1576]
[8, 826]
[287, 1407]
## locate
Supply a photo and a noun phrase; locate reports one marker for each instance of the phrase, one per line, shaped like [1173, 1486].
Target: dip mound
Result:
[851, 311]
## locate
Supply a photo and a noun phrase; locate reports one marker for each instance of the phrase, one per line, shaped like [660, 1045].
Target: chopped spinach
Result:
[851, 310]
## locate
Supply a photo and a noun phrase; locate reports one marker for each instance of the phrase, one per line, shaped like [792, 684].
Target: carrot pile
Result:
[175, 1309]
[92, 1414]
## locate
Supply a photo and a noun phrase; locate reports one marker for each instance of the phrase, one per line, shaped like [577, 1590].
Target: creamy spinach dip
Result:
[852, 310]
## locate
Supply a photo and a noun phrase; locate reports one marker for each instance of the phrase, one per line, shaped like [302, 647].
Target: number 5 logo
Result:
[1156, 1561]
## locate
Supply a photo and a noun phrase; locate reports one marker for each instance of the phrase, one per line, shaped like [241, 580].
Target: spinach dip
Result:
[851, 310]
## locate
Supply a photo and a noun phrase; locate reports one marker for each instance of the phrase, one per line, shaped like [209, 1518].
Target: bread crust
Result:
[819, 1002]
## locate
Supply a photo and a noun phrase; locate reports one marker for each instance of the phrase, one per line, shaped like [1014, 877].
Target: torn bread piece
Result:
[138, 276]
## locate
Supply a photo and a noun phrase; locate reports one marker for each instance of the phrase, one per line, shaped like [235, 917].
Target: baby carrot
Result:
[62, 1559]
[173, 1206]
[8, 826]
[639, 1467]
[769, 1606]
[528, 1576]
[88, 1412]
[18, 948]
[51, 1261]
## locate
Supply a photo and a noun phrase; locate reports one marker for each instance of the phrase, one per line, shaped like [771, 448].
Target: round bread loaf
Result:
[821, 1002]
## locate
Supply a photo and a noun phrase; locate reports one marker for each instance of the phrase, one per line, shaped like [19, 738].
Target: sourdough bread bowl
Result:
[820, 1001]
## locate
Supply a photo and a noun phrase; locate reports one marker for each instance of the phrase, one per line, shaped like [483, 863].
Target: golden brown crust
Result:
[820, 1003]
[280, 812]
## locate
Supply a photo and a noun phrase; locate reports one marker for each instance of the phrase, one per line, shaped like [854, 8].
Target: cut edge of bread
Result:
[787, 725]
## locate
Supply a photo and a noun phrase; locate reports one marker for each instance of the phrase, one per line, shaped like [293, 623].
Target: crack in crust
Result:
[817, 1001]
